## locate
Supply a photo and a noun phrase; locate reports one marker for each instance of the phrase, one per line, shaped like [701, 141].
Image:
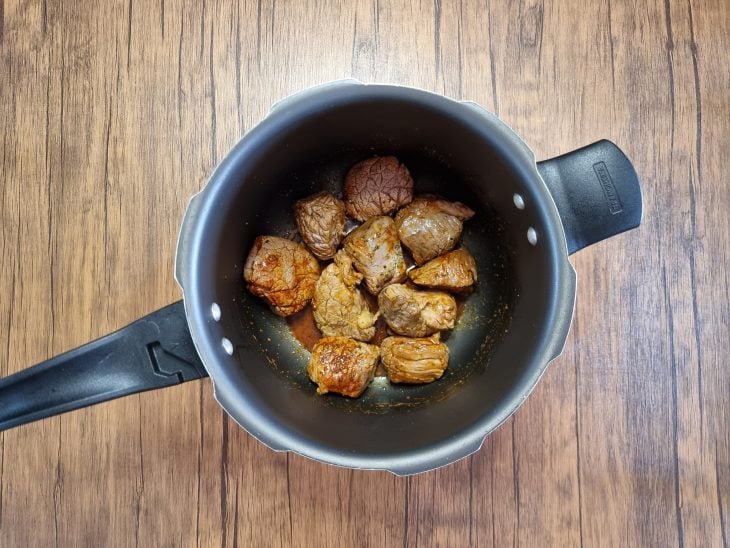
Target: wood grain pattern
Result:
[112, 117]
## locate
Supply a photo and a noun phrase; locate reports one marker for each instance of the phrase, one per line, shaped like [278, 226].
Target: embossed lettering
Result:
[609, 189]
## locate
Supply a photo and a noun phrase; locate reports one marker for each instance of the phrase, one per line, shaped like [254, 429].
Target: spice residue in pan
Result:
[304, 328]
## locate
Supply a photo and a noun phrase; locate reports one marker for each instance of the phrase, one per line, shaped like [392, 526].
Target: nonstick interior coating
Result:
[485, 314]
[497, 349]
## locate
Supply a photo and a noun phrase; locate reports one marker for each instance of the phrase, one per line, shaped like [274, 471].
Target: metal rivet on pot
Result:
[227, 346]
[532, 236]
[519, 202]
[215, 311]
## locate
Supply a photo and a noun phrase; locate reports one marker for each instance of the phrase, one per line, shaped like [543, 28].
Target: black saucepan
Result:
[529, 217]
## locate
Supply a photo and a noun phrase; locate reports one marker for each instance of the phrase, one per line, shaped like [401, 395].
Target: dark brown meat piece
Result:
[342, 365]
[321, 221]
[376, 252]
[377, 186]
[430, 226]
[339, 307]
[454, 271]
[414, 361]
[416, 313]
[281, 272]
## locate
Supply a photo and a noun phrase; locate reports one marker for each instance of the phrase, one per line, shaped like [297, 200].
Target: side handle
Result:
[596, 191]
[153, 352]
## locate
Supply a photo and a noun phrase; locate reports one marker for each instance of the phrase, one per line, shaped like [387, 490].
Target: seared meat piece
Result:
[321, 222]
[416, 313]
[339, 307]
[342, 365]
[281, 272]
[376, 252]
[430, 226]
[454, 271]
[377, 186]
[414, 361]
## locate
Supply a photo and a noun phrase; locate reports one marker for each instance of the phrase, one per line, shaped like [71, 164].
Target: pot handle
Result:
[152, 352]
[596, 191]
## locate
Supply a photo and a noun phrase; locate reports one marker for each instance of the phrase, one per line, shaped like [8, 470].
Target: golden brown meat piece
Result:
[377, 186]
[454, 271]
[376, 252]
[342, 365]
[321, 221]
[414, 361]
[340, 310]
[430, 226]
[416, 313]
[281, 272]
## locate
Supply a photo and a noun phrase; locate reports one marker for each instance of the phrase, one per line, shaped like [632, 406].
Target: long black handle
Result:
[597, 193]
[153, 352]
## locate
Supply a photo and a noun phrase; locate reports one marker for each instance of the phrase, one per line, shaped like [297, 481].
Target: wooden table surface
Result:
[112, 117]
